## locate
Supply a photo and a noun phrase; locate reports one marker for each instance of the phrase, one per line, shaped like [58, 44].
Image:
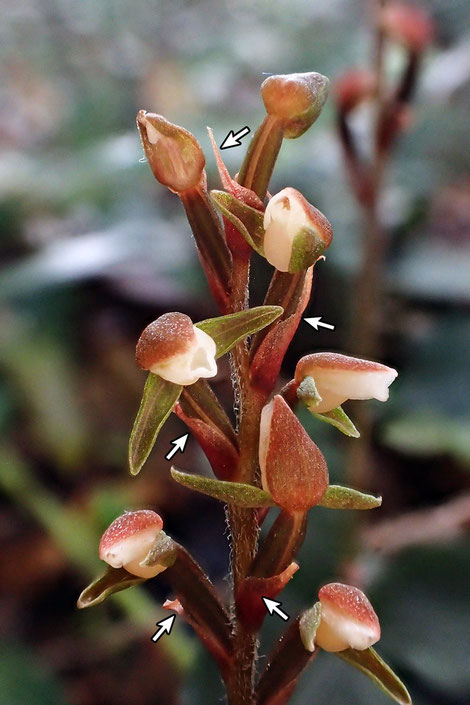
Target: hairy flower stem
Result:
[243, 522]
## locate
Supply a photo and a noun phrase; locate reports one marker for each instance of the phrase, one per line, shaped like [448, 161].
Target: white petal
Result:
[129, 553]
[264, 432]
[283, 219]
[186, 368]
[337, 632]
[355, 384]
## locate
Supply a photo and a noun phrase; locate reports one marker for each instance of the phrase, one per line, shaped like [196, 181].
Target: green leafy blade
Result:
[229, 330]
[338, 419]
[375, 668]
[236, 493]
[338, 497]
[158, 400]
[114, 580]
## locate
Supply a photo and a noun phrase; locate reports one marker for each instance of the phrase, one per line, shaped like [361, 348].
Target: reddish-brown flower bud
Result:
[348, 620]
[339, 377]
[408, 25]
[128, 540]
[295, 98]
[174, 154]
[352, 88]
[293, 469]
[296, 233]
[173, 348]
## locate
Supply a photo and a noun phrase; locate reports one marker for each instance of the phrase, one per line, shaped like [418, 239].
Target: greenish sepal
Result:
[338, 497]
[158, 400]
[340, 420]
[308, 625]
[229, 330]
[114, 580]
[236, 493]
[246, 219]
[375, 668]
[163, 552]
[307, 393]
[306, 249]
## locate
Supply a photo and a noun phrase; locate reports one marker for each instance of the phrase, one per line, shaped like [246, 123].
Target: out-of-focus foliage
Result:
[92, 250]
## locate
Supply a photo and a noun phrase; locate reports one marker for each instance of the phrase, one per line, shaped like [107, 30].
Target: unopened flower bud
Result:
[295, 98]
[352, 88]
[293, 469]
[408, 25]
[348, 620]
[174, 154]
[296, 233]
[128, 540]
[339, 377]
[176, 350]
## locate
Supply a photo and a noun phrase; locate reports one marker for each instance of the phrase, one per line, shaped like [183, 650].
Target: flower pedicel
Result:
[173, 348]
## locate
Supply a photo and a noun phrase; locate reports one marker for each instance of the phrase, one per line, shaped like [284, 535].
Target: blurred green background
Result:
[92, 249]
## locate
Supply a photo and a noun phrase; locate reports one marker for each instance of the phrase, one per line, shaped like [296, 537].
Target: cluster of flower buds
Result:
[347, 621]
[176, 350]
[127, 542]
[337, 378]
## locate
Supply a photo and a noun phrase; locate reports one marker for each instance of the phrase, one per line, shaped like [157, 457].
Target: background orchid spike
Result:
[293, 469]
[339, 377]
[175, 349]
[174, 154]
[296, 233]
[408, 25]
[126, 543]
[296, 98]
[348, 620]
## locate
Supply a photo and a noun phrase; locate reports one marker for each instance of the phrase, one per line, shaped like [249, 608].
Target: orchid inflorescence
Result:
[269, 460]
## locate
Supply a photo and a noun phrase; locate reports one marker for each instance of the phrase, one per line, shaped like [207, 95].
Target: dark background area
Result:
[92, 250]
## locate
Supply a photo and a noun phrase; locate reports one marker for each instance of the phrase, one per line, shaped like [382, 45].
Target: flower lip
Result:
[340, 377]
[176, 350]
[348, 620]
[288, 216]
[127, 541]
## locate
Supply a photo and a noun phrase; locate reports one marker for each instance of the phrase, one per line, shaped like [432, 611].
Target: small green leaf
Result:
[236, 493]
[337, 497]
[163, 552]
[246, 219]
[308, 625]
[340, 420]
[158, 401]
[114, 580]
[229, 330]
[306, 249]
[375, 668]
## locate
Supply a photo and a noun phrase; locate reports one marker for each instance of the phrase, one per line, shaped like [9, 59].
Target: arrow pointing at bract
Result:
[317, 321]
[165, 627]
[233, 138]
[273, 608]
[179, 443]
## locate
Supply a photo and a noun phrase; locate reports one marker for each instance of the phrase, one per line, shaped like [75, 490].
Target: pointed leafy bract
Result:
[199, 401]
[158, 401]
[236, 493]
[247, 220]
[114, 580]
[251, 609]
[375, 668]
[338, 497]
[340, 420]
[308, 625]
[229, 330]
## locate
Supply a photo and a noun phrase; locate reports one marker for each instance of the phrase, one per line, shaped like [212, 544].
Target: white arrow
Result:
[179, 443]
[273, 608]
[233, 138]
[315, 322]
[165, 626]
